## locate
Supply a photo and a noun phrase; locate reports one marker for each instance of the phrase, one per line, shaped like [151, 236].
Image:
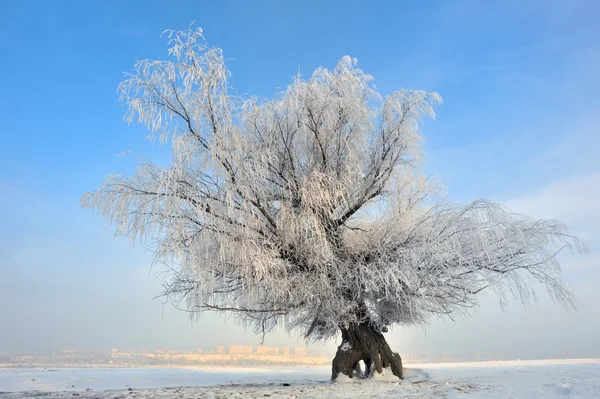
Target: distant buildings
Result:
[300, 351]
[234, 355]
[240, 350]
[268, 350]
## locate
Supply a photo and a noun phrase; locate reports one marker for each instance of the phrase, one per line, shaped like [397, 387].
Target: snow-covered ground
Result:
[527, 380]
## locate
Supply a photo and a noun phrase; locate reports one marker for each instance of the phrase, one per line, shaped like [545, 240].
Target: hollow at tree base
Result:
[364, 342]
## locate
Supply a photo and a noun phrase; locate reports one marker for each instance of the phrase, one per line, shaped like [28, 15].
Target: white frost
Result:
[496, 380]
[264, 208]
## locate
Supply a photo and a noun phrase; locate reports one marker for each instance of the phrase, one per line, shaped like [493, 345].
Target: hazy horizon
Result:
[519, 125]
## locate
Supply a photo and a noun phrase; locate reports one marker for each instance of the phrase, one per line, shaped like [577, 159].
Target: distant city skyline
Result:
[221, 355]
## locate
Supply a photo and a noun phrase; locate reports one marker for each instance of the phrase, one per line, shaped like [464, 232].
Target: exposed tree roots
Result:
[364, 342]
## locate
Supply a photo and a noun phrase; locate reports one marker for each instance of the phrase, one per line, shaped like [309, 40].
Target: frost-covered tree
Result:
[309, 210]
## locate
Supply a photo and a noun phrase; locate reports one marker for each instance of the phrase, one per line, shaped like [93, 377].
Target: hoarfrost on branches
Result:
[310, 209]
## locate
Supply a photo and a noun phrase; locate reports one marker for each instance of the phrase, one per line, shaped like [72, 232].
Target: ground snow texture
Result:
[527, 380]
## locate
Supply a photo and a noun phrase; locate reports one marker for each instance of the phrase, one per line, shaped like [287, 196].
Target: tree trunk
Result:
[363, 342]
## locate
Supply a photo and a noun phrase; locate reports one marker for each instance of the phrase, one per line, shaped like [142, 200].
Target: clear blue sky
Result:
[519, 124]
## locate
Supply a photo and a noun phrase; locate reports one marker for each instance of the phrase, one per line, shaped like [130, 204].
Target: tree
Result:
[310, 209]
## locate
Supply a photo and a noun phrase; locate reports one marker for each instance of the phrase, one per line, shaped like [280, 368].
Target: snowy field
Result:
[517, 379]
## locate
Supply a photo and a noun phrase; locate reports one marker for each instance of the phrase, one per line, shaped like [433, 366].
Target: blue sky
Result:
[519, 125]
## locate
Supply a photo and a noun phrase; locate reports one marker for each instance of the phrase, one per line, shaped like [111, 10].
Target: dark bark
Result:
[364, 342]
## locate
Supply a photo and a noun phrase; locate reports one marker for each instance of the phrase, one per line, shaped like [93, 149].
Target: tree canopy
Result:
[311, 209]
